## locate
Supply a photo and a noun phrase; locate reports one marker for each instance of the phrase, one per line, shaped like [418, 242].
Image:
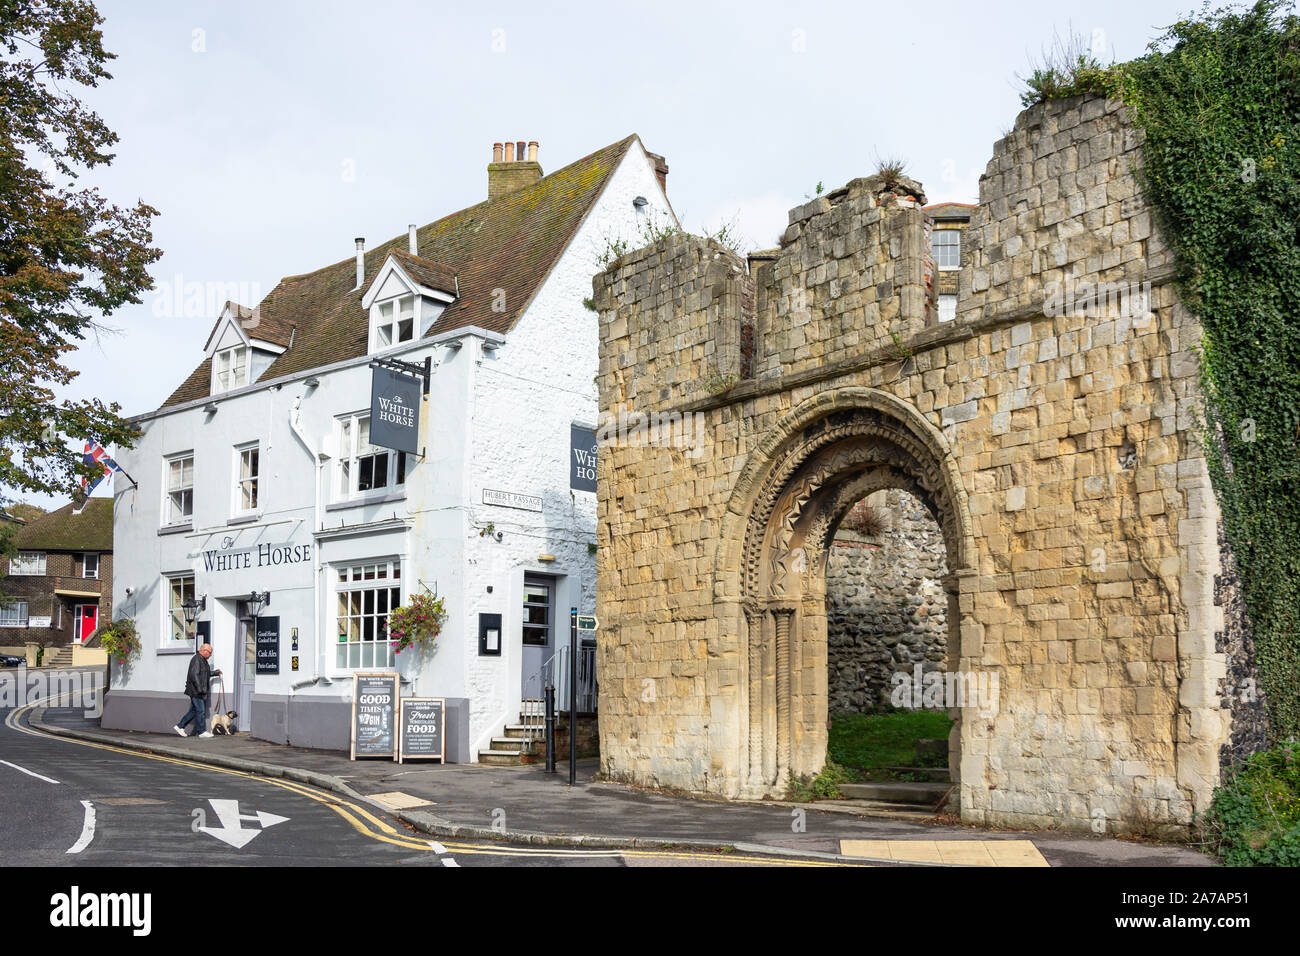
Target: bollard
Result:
[549, 694]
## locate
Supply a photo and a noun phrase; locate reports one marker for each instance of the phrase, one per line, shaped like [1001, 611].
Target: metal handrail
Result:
[533, 712]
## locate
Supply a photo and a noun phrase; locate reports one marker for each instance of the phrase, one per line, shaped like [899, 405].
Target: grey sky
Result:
[246, 147]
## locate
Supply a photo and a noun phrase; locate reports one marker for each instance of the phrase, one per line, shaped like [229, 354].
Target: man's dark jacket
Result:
[196, 681]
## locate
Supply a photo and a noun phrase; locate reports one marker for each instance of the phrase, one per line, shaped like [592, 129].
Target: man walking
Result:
[196, 689]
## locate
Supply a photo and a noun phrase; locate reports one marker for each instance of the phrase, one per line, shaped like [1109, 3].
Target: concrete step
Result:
[931, 774]
[519, 731]
[897, 792]
[501, 758]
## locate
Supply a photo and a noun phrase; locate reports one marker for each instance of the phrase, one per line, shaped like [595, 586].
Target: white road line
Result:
[87, 829]
[441, 851]
[30, 773]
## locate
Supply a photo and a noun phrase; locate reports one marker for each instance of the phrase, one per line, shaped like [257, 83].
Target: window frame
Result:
[168, 521]
[229, 358]
[170, 611]
[344, 575]
[238, 480]
[37, 561]
[393, 321]
[347, 472]
[935, 245]
[548, 628]
[22, 617]
[86, 558]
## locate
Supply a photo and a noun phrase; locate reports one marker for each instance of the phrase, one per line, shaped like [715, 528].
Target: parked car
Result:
[12, 660]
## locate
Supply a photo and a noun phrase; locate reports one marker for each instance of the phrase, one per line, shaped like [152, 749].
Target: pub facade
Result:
[404, 421]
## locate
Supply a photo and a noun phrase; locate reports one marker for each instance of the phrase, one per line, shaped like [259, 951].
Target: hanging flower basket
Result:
[418, 621]
[119, 639]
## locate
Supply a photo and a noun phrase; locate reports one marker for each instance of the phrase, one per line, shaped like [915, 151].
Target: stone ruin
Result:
[1050, 429]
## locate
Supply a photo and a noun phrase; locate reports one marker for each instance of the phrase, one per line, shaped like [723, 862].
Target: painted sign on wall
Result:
[582, 458]
[395, 410]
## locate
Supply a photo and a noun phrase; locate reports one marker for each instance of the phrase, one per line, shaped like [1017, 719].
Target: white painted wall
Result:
[497, 420]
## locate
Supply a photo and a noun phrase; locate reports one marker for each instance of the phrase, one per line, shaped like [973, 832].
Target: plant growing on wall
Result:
[418, 621]
[119, 639]
[1217, 98]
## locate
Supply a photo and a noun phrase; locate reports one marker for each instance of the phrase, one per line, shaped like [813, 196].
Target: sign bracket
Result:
[423, 371]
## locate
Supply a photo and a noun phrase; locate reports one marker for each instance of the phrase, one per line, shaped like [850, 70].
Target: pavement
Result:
[527, 805]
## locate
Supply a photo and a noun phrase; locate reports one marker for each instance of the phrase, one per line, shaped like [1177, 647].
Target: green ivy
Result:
[1218, 99]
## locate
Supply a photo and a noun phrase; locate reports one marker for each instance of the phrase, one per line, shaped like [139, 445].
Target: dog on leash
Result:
[223, 724]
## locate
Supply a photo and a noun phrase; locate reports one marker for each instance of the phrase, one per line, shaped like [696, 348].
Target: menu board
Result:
[268, 645]
[374, 714]
[422, 729]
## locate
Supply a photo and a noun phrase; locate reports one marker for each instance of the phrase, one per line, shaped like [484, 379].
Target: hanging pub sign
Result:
[374, 714]
[268, 645]
[582, 458]
[421, 727]
[395, 410]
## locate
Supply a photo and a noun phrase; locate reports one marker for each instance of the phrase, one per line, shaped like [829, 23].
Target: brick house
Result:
[59, 581]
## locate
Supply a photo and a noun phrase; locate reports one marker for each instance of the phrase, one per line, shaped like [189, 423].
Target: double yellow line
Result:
[367, 824]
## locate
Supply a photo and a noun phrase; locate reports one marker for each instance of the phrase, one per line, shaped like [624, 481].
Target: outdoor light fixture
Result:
[210, 408]
[312, 382]
[640, 201]
[193, 608]
[257, 602]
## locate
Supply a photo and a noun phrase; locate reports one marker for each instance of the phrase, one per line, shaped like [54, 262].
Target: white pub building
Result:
[269, 524]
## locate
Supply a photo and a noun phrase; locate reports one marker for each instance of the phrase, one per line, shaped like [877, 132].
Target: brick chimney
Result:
[510, 172]
[661, 170]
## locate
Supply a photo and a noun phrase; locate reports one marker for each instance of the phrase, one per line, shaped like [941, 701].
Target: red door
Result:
[87, 621]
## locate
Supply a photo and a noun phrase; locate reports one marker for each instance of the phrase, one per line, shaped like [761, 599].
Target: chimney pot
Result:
[496, 152]
[361, 260]
[410, 239]
[517, 169]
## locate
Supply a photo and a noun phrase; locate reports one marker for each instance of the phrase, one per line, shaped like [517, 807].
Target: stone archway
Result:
[821, 460]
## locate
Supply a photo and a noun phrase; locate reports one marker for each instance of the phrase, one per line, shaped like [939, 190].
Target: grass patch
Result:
[872, 741]
[1254, 819]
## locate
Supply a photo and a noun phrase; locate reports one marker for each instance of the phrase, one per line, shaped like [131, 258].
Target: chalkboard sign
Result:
[422, 726]
[374, 715]
[268, 645]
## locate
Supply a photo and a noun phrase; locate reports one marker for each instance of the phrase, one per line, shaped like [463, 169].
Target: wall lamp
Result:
[193, 608]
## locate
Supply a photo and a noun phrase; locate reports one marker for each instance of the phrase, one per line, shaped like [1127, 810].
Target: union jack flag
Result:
[95, 454]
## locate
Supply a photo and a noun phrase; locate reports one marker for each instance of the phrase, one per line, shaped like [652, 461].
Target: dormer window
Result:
[231, 366]
[405, 299]
[395, 322]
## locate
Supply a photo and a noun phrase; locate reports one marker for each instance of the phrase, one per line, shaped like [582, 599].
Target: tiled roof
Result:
[62, 530]
[271, 329]
[500, 251]
[427, 272]
[950, 210]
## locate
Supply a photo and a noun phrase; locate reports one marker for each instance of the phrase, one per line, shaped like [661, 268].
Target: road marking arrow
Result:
[231, 830]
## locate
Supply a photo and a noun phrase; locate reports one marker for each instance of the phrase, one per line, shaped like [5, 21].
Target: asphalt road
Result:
[71, 803]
